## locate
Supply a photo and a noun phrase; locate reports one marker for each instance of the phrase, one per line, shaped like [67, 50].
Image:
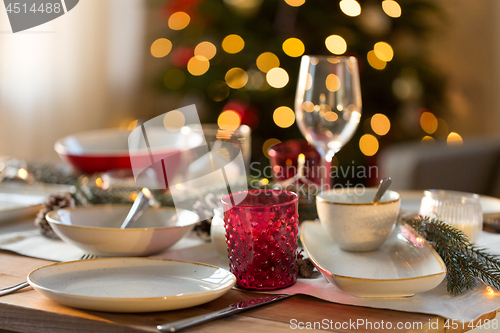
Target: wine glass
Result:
[328, 102]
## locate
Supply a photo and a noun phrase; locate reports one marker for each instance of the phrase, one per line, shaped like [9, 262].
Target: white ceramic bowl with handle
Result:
[96, 229]
[353, 221]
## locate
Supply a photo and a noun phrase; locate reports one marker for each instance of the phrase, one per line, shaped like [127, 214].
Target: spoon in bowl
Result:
[382, 187]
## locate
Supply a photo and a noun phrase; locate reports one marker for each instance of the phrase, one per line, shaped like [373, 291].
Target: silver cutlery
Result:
[234, 308]
[382, 187]
[10, 290]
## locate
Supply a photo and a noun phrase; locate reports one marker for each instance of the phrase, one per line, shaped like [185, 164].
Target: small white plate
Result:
[402, 266]
[410, 202]
[22, 200]
[131, 284]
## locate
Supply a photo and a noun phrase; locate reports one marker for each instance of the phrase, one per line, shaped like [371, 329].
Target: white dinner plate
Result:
[402, 266]
[22, 200]
[131, 284]
[410, 202]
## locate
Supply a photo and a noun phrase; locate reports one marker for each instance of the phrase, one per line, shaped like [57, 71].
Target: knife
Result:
[178, 325]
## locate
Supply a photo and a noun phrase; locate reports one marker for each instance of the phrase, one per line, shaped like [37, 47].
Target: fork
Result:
[492, 223]
[10, 290]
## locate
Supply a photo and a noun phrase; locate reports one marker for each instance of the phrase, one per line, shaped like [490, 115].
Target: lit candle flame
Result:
[302, 158]
[22, 173]
[146, 192]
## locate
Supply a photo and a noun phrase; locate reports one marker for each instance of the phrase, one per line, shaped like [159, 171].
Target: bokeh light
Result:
[391, 8]
[218, 90]
[268, 144]
[380, 124]
[161, 47]
[443, 129]
[332, 82]
[350, 7]
[383, 51]
[198, 65]
[308, 106]
[336, 44]
[428, 122]
[205, 49]
[427, 139]
[174, 120]
[295, 3]
[178, 20]
[174, 79]
[267, 61]
[277, 77]
[236, 78]
[293, 47]
[284, 117]
[229, 120]
[233, 44]
[368, 144]
[454, 139]
[375, 61]
[331, 116]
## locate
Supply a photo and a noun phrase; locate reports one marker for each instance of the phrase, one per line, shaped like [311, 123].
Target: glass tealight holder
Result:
[261, 235]
[460, 209]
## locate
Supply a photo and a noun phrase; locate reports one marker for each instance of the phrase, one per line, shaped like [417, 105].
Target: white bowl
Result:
[96, 229]
[353, 221]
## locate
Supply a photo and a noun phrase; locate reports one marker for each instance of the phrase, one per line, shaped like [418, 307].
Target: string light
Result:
[368, 144]
[161, 47]
[233, 44]
[336, 44]
[277, 77]
[380, 124]
[454, 139]
[267, 61]
[198, 65]
[331, 116]
[427, 139]
[236, 78]
[295, 3]
[284, 117]
[268, 144]
[205, 49]
[229, 120]
[178, 20]
[174, 120]
[332, 82]
[375, 61]
[350, 7]
[383, 51]
[428, 122]
[391, 8]
[293, 47]
[22, 173]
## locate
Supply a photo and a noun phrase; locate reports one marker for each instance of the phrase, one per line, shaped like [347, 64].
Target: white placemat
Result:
[23, 239]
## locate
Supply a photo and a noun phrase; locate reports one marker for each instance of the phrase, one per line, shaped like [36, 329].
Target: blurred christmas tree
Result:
[228, 51]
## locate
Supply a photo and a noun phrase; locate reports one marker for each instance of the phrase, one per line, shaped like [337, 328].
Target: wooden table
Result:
[28, 311]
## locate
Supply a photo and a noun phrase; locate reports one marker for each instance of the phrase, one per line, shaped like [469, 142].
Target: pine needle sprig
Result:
[467, 264]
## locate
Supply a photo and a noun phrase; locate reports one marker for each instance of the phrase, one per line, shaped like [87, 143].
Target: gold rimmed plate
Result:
[131, 284]
[403, 266]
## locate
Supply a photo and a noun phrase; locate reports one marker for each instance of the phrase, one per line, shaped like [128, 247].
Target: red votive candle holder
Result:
[284, 162]
[261, 236]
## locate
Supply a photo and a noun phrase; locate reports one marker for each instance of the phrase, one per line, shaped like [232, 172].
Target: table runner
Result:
[23, 239]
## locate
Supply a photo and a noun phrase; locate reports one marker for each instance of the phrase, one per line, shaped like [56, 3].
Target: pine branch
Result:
[466, 263]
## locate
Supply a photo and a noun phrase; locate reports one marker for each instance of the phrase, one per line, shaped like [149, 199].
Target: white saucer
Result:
[131, 284]
[410, 202]
[402, 266]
